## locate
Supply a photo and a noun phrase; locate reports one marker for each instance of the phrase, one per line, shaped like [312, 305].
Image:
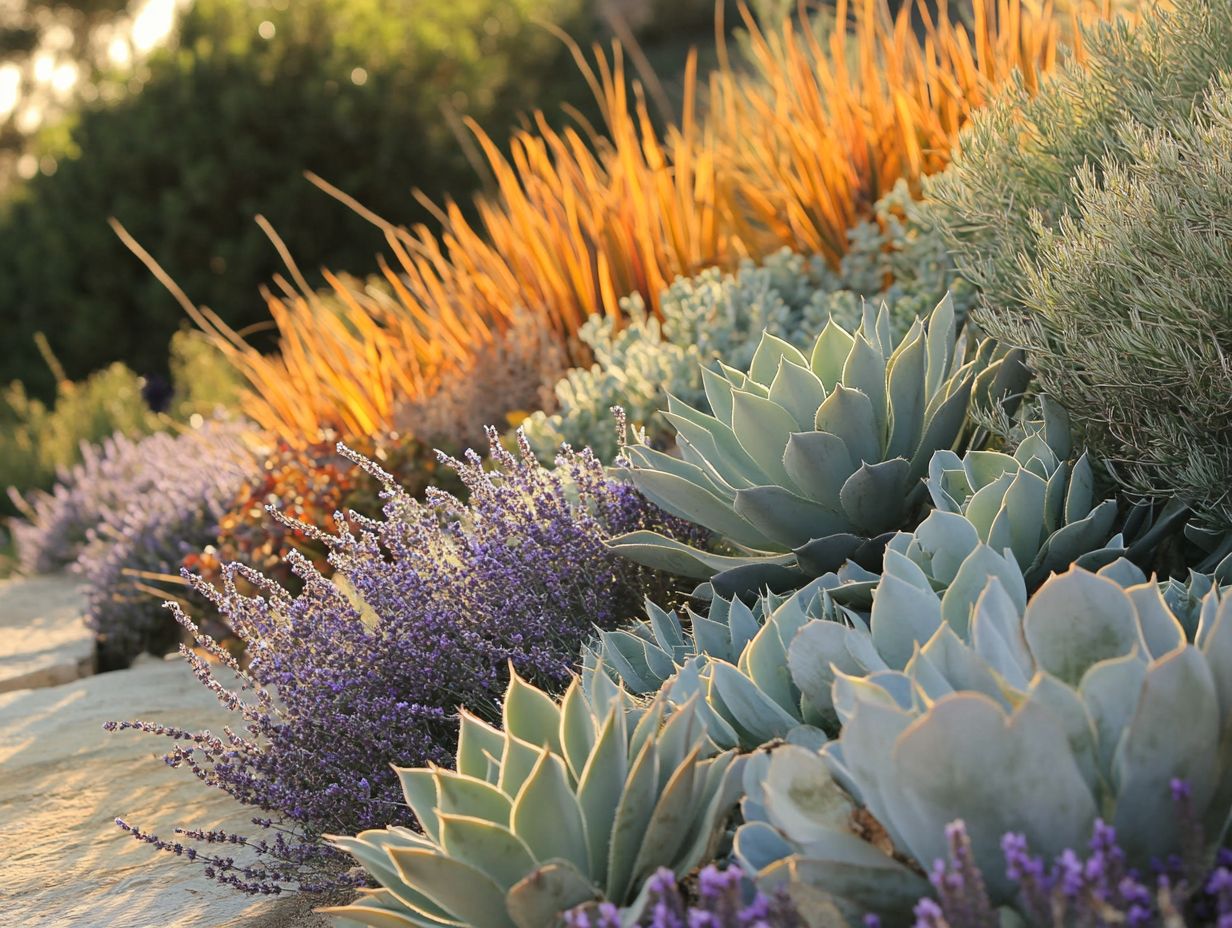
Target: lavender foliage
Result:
[426, 610]
[1092, 891]
[180, 487]
[719, 902]
[56, 522]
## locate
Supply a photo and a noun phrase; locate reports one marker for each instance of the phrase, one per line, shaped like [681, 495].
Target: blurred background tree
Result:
[227, 116]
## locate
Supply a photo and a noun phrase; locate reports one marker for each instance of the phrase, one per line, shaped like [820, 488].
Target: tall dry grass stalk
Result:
[793, 154]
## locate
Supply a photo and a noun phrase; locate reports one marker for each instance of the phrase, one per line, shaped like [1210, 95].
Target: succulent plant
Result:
[734, 661]
[809, 461]
[1035, 717]
[577, 800]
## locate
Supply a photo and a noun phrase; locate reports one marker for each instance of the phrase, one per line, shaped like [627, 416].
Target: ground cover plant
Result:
[1089, 215]
[427, 610]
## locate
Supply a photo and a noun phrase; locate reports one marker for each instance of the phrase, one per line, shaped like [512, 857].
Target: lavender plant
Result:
[718, 902]
[1098, 890]
[426, 611]
[132, 509]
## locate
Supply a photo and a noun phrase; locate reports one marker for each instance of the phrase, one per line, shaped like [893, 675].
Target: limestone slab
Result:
[64, 780]
[43, 638]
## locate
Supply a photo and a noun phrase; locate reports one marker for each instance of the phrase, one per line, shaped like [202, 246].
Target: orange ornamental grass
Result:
[793, 154]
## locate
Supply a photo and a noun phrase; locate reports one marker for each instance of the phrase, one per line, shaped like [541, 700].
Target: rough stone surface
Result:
[43, 640]
[63, 781]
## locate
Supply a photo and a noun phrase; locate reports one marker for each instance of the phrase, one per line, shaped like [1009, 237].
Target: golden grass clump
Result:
[792, 154]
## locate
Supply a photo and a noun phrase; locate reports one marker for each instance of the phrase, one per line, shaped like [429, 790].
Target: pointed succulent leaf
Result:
[546, 815]
[762, 427]
[1076, 620]
[819, 464]
[848, 413]
[460, 889]
[786, 517]
[475, 738]
[875, 496]
[797, 390]
[531, 714]
[541, 898]
[830, 354]
[490, 848]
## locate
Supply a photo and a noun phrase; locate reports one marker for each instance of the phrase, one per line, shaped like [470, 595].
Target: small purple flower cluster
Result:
[720, 903]
[425, 612]
[164, 500]
[1097, 891]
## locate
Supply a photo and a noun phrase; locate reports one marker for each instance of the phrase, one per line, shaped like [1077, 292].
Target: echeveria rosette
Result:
[809, 461]
[1087, 701]
[734, 660]
[574, 801]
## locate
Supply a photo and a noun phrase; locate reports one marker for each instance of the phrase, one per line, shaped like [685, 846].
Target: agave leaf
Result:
[518, 759]
[419, 790]
[546, 815]
[759, 574]
[531, 714]
[1106, 692]
[539, 900]
[460, 794]
[1160, 631]
[1016, 774]
[824, 555]
[458, 888]
[757, 845]
[1081, 493]
[659, 551]
[771, 352]
[633, 812]
[747, 707]
[848, 414]
[786, 517]
[943, 427]
[865, 370]
[797, 390]
[475, 737]
[688, 500]
[820, 646]
[906, 395]
[1214, 637]
[940, 344]
[365, 912]
[959, 599]
[819, 464]
[874, 496]
[996, 635]
[669, 823]
[830, 354]
[762, 427]
[371, 849]
[902, 615]
[1024, 501]
[600, 787]
[490, 848]
[718, 394]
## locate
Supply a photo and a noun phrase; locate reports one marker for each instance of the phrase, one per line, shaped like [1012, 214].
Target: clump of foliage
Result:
[40, 442]
[243, 101]
[176, 491]
[1091, 217]
[1096, 890]
[426, 611]
[714, 316]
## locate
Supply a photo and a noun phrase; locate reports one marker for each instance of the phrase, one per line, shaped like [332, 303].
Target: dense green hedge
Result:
[225, 125]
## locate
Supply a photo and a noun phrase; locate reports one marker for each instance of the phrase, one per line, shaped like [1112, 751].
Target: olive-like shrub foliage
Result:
[1093, 217]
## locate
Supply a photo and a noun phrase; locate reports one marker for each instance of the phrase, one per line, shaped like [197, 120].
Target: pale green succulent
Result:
[574, 801]
[1037, 718]
[809, 461]
[732, 662]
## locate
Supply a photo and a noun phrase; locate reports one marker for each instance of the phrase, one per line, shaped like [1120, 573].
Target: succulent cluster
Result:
[567, 802]
[1036, 718]
[812, 460]
[426, 610]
